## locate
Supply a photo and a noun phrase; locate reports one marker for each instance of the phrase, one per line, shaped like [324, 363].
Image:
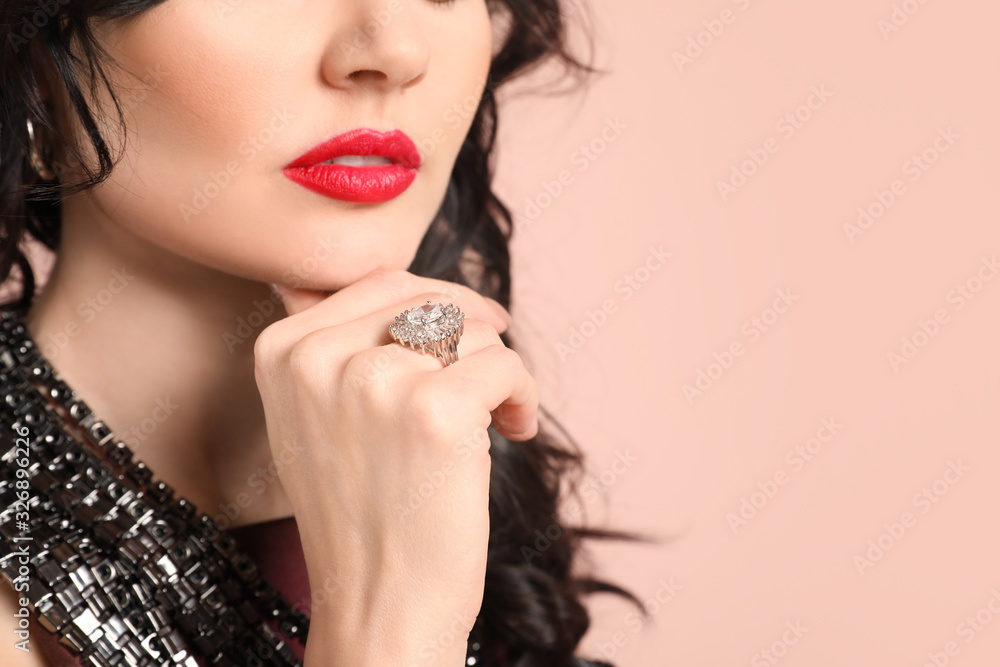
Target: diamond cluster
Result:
[429, 323]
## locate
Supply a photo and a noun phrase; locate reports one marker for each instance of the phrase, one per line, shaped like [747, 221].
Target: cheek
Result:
[460, 62]
[212, 98]
[203, 117]
[213, 116]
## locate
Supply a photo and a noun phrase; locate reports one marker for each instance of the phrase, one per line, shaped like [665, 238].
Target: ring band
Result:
[432, 328]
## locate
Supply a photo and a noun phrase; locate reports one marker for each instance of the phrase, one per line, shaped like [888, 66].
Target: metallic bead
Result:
[124, 573]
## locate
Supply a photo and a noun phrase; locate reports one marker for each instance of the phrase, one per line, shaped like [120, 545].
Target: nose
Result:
[376, 44]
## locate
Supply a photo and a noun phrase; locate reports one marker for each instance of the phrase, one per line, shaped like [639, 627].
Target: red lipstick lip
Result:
[368, 184]
[395, 145]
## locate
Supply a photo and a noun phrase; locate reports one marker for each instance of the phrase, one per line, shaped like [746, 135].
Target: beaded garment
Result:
[122, 571]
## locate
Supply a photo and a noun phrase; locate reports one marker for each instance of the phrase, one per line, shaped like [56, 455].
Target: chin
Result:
[332, 276]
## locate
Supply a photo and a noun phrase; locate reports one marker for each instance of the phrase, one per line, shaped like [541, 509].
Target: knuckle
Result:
[430, 410]
[310, 357]
[509, 360]
[267, 349]
[371, 367]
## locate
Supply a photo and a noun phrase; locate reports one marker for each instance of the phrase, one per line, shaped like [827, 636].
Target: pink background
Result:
[899, 425]
[723, 589]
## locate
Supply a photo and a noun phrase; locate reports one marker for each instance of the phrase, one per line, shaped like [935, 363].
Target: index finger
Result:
[296, 299]
[375, 290]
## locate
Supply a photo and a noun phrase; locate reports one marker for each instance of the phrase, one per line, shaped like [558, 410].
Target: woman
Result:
[214, 447]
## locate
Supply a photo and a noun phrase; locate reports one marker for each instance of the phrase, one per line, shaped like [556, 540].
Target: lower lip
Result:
[366, 185]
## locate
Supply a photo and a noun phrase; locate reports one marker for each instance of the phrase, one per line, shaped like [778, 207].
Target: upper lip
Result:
[393, 144]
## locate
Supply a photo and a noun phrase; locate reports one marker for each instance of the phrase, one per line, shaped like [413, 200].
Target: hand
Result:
[370, 422]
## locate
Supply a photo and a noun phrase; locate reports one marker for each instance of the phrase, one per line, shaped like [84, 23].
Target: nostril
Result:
[363, 73]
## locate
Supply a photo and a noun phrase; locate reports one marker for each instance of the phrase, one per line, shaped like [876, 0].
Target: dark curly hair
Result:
[532, 601]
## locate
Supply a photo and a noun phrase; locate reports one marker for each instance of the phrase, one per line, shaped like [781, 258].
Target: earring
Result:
[36, 154]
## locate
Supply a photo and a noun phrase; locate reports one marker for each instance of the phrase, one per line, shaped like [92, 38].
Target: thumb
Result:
[296, 300]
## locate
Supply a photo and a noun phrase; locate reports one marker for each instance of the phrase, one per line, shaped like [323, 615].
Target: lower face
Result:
[221, 95]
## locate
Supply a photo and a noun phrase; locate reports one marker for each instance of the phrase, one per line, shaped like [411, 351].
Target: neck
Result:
[161, 349]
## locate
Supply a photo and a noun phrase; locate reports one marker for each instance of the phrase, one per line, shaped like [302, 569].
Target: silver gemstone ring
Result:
[431, 327]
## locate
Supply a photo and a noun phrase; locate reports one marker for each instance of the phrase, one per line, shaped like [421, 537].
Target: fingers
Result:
[371, 351]
[373, 330]
[488, 374]
[379, 288]
[367, 337]
[510, 393]
[297, 300]
[352, 324]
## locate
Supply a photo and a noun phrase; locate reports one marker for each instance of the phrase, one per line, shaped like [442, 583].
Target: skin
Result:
[310, 372]
[194, 279]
